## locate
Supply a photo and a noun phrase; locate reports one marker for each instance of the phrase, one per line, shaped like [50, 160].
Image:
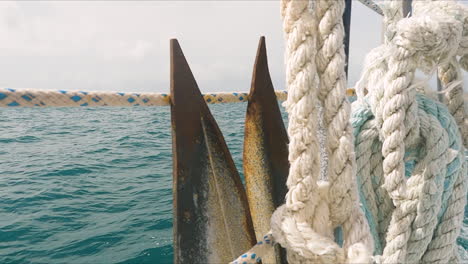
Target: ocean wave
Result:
[92, 185]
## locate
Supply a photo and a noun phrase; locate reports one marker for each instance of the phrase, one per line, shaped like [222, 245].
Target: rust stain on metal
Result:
[212, 222]
[265, 155]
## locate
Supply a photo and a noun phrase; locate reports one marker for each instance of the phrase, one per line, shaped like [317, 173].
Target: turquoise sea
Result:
[92, 185]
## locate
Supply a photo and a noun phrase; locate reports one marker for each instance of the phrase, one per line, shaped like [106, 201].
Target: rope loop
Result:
[396, 181]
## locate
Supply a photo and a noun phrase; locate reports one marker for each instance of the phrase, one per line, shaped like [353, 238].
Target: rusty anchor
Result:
[212, 222]
[265, 154]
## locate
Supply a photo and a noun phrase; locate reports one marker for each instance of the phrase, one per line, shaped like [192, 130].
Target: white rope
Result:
[443, 245]
[393, 12]
[419, 41]
[330, 59]
[413, 186]
[369, 165]
[414, 220]
[302, 225]
[448, 74]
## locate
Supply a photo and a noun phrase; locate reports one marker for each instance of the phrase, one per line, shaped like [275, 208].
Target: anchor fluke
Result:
[265, 158]
[212, 221]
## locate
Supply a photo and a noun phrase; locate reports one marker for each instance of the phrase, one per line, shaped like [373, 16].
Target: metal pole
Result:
[439, 88]
[338, 232]
[407, 9]
[347, 29]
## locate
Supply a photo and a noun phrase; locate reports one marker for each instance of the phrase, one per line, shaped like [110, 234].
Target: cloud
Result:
[126, 50]
[140, 49]
[124, 45]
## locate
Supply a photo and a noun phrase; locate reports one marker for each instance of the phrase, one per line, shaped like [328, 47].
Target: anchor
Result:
[212, 211]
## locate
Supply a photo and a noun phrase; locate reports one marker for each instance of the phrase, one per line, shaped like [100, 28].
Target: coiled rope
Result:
[410, 157]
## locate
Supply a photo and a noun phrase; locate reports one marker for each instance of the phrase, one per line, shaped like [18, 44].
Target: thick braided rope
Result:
[364, 143]
[420, 40]
[302, 81]
[442, 239]
[451, 214]
[403, 114]
[393, 105]
[62, 98]
[397, 250]
[384, 203]
[295, 230]
[393, 12]
[375, 68]
[414, 232]
[405, 56]
[443, 246]
[330, 59]
[369, 164]
[425, 188]
[448, 75]
[395, 101]
[298, 228]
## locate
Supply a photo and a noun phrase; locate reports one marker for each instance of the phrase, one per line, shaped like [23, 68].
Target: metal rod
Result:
[210, 205]
[407, 8]
[347, 29]
[439, 88]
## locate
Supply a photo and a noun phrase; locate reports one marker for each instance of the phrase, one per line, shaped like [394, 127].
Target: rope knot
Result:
[453, 9]
[431, 37]
[293, 232]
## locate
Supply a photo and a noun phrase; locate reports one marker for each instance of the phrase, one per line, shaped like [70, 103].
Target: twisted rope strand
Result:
[303, 225]
[413, 186]
[448, 74]
[330, 61]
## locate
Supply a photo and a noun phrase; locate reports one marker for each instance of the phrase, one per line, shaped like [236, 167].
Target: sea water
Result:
[92, 185]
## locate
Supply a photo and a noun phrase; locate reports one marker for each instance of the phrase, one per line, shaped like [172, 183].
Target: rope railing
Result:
[61, 98]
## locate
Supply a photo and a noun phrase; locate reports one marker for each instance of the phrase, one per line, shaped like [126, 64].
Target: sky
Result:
[124, 45]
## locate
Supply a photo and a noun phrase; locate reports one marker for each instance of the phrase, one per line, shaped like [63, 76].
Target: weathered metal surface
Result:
[212, 221]
[407, 7]
[265, 157]
[347, 30]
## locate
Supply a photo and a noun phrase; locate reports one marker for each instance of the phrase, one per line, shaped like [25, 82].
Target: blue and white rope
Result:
[61, 98]
[254, 254]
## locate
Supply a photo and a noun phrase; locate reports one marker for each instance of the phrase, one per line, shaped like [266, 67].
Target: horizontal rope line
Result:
[61, 98]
